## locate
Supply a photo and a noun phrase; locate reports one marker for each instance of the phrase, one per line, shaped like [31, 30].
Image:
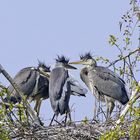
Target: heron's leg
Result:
[70, 116]
[98, 107]
[66, 118]
[38, 107]
[119, 108]
[107, 108]
[95, 109]
[52, 120]
[110, 107]
[70, 120]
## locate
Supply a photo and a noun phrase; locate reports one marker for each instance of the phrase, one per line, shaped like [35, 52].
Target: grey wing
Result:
[58, 78]
[25, 79]
[115, 77]
[108, 83]
[42, 87]
[76, 88]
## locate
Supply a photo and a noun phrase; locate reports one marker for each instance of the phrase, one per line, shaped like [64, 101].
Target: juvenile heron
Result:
[60, 87]
[34, 83]
[104, 84]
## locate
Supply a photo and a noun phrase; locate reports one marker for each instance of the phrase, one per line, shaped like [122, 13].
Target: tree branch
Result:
[133, 98]
[123, 58]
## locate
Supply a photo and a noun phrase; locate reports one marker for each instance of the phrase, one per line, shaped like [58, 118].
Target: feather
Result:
[62, 59]
[86, 56]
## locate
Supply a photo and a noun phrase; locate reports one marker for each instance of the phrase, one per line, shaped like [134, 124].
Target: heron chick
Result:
[60, 87]
[104, 84]
[33, 82]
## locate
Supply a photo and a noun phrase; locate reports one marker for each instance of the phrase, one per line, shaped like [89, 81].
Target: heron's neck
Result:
[58, 64]
[91, 66]
[61, 65]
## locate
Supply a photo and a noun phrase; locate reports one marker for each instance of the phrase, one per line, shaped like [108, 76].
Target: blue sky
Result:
[31, 30]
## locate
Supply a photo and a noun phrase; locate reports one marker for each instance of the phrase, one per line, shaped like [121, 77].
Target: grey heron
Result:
[104, 84]
[33, 82]
[60, 87]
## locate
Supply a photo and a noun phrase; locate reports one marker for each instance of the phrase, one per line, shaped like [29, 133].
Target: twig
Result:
[8, 104]
[133, 98]
[122, 58]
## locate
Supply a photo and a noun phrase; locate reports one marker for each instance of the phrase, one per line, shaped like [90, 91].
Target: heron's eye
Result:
[44, 68]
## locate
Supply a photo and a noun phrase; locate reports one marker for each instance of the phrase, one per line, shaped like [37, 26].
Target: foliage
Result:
[85, 121]
[126, 65]
[3, 134]
[9, 114]
[127, 129]
[3, 131]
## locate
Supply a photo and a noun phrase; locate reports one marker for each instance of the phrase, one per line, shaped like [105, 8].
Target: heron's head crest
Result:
[86, 56]
[43, 66]
[62, 59]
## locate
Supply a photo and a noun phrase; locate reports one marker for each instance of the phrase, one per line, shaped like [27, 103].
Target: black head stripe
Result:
[62, 59]
[86, 56]
[43, 65]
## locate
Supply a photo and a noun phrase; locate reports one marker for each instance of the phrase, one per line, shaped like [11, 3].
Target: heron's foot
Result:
[68, 123]
[109, 121]
[52, 120]
[63, 124]
[95, 120]
[51, 124]
[41, 123]
[56, 124]
[60, 124]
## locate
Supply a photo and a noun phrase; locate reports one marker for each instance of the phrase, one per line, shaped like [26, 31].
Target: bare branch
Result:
[123, 58]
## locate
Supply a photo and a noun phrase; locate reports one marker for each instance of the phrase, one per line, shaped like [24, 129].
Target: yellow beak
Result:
[47, 74]
[76, 62]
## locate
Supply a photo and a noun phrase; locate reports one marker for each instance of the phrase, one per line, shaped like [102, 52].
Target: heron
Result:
[61, 86]
[34, 83]
[103, 83]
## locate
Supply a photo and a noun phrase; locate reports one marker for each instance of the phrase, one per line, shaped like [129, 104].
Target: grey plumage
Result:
[60, 88]
[33, 84]
[102, 82]
[36, 86]
[108, 83]
[26, 80]
[76, 88]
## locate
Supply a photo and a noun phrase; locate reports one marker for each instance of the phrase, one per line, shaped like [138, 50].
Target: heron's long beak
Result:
[70, 67]
[47, 74]
[76, 62]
